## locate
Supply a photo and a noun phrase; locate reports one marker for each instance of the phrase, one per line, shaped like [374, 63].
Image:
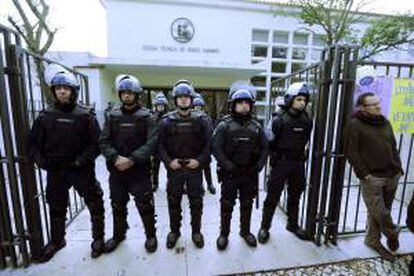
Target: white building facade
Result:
[210, 42]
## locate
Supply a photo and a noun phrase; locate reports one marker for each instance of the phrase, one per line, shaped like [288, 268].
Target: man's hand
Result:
[193, 164]
[122, 163]
[175, 165]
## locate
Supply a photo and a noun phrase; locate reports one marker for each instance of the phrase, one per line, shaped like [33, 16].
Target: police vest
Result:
[66, 133]
[128, 131]
[185, 135]
[293, 133]
[242, 144]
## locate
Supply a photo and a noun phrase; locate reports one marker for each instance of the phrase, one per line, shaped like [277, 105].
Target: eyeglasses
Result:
[372, 104]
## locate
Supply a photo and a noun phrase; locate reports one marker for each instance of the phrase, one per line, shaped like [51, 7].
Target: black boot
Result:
[263, 235]
[51, 249]
[172, 239]
[267, 217]
[57, 231]
[222, 242]
[245, 217]
[300, 233]
[293, 216]
[174, 208]
[151, 244]
[196, 209]
[98, 247]
[119, 214]
[147, 213]
[226, 209]
[198, 239]
[98, 225]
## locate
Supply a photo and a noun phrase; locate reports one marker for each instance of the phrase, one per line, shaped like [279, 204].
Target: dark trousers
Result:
[291, 172]
[241, 185]
[155, 170]
[207, 174]
[59, 181]
[378, 194]
[135, 182]
[175, 190]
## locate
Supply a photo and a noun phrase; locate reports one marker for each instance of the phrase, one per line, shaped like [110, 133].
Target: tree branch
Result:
[17, 27]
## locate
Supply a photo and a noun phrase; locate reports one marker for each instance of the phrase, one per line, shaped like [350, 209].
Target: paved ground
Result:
[283, 251]
[362, 267]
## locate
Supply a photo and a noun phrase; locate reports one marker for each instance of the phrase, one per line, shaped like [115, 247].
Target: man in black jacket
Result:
[127, 142]
[64, 142]
[291, 128]
[371, 149]
[240, 147]
[161, 108]
[198, 104]
[184, 147]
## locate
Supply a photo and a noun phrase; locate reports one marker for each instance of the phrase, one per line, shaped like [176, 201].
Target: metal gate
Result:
[24, 227]
[331, 204]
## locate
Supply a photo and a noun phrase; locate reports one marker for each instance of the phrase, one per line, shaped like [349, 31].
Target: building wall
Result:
[239, 36]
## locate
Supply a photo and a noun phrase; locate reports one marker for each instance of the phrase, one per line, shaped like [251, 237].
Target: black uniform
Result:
[287, 151]
[64, 142]
[185, 138]
[132, 134]
[155, 162]
[207, 166]
[240, 147]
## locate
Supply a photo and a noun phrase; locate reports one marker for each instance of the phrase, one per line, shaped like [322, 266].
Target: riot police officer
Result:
[198, 104]
[161, 104]
[127, 142]
[64, 142]
[240, 147]
[291, 127]
[184, 147]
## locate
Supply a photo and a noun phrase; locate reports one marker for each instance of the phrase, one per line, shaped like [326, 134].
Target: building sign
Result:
[402, 106]
[180, 49]
[182, 30]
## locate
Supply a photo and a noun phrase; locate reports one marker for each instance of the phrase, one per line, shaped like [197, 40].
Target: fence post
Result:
[319, 140]
[337, 181]
[27, 172]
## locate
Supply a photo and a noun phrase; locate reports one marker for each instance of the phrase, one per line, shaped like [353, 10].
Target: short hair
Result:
[362, 97]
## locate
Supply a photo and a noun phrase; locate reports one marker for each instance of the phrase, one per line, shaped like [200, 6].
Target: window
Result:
[254, 61]
[300, 39]
[319, 40]
[260, 35]
[279, 52]
[316, 54]
[298, 53]
[278, 67]
[280, 37]
[259, 51]
[298, 66]
[259, 81]
[261, 96]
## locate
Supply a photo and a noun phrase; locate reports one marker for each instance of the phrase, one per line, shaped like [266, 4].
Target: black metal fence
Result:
[331, 205]
[24, 225]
